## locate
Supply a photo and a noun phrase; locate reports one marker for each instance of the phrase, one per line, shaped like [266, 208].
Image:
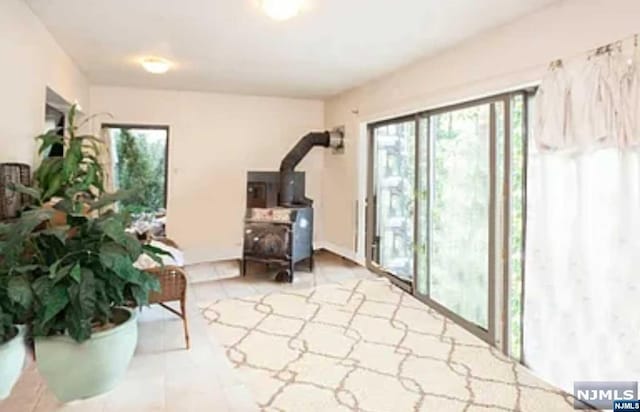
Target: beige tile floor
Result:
[165, 377]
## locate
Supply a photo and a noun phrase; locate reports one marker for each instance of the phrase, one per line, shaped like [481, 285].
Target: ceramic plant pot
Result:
[81, 370]
[12, 354]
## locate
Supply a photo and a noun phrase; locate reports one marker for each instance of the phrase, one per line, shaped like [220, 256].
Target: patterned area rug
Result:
[367, 346]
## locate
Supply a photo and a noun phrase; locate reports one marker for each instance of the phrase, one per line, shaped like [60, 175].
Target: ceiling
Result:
[231, 46]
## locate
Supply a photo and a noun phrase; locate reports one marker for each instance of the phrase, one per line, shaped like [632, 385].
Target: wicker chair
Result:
[173, 287]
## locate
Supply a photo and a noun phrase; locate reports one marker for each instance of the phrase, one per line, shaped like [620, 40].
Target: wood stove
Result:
[278, 226]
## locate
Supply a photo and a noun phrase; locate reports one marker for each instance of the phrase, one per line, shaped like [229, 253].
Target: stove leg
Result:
[311, 263]
[244, 267]
[291, 271]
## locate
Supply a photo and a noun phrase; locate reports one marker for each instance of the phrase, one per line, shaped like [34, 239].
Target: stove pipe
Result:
[295, 155]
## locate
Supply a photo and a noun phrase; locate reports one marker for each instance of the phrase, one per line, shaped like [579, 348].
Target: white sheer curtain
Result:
[582, 286]
[582, 283]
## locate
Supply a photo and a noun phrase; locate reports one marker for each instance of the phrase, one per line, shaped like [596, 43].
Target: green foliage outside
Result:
[140, 168]
[460, 212]
[516, 241]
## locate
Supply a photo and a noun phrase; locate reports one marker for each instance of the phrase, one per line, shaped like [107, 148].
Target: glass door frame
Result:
[499, 271]
[371, 204]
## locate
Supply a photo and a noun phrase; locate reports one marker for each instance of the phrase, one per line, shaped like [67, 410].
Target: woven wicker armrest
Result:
[173, 287]
[173, 284]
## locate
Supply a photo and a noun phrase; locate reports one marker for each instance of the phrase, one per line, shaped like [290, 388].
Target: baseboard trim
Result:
[193, 256]
[201, 255]
[341, 251]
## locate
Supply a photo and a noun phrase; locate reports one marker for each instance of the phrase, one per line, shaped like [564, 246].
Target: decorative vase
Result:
[75, 370]
[12, 354]
[11, 202]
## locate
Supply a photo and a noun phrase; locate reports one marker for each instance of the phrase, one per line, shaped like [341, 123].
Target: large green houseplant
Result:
[77, 278]
[15, 303]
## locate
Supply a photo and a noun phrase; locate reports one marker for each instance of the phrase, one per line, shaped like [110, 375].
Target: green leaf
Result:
[54, 187]
[114, 229]
[49, 139]
[72, 158]
[64, 205]
[154, 257]
[108, 199]
[29, 191]
[87, 292]
[41, 287]
[56, 301]
[133, 246]
[75, 273]
[27, 223]
[19, 291]
[78, 326]
[103, 303]
[56, 275]
[59, 232]
[156, 250]
[49, 168]
[110, 252]
[122, 267]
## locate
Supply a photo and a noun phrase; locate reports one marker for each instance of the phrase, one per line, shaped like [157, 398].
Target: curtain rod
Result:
[607, 48]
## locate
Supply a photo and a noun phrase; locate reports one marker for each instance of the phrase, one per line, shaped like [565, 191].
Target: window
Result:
[446, 211]
[139, 160]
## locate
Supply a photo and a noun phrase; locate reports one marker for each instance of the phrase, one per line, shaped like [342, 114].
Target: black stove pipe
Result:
[294, 157]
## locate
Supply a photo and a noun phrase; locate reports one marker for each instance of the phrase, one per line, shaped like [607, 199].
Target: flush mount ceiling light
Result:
[282, 9]
[155, 65]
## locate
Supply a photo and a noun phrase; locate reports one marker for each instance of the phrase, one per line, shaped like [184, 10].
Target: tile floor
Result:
[165, 377]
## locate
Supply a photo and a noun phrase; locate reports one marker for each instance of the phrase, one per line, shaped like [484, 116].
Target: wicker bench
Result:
[173, 288]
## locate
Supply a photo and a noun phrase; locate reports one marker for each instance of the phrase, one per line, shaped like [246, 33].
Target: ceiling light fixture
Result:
[156, 65]
[282, 9]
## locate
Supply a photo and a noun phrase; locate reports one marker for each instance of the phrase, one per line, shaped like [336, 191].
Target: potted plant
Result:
[15, 303]
[79, 277]
[12, 348]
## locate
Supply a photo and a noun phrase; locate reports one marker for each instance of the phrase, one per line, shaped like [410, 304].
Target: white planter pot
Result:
[81, 370]
[12, 354]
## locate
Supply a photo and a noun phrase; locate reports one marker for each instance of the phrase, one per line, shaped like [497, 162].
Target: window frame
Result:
[166, 128]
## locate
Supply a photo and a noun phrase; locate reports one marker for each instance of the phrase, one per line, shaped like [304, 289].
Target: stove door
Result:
[267, 240]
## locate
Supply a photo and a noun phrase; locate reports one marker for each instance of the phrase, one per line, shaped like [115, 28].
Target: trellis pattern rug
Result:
[365, 345]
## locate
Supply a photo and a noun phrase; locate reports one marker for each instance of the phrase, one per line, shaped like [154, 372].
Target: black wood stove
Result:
[278, 227]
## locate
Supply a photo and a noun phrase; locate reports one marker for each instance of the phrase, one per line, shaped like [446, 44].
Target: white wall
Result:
[30, 60]
[507, 57]
[214, 140]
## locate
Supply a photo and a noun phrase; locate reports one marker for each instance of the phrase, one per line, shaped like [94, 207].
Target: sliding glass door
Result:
[393, 180]
[445, 209]
[460, 199]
